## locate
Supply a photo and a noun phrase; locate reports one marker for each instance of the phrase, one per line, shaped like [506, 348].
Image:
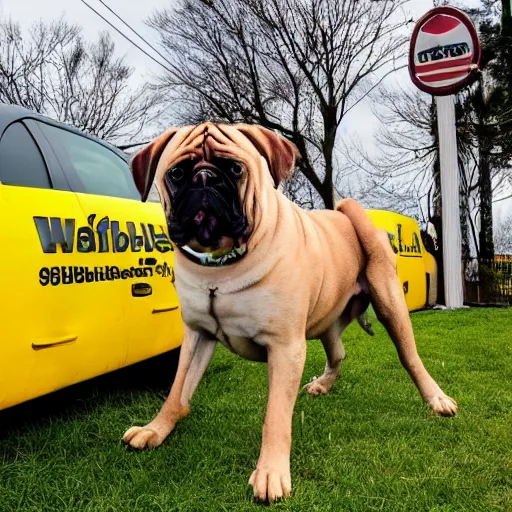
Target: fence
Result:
[488, 281]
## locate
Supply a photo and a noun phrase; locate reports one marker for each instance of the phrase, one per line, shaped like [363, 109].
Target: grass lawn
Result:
[371, 444]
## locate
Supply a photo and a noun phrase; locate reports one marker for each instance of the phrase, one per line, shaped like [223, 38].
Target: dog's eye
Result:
[236, 170]
[176, 174]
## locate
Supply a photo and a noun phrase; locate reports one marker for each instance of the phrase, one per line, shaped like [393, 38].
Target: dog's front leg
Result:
[271, 480]
[196, 352]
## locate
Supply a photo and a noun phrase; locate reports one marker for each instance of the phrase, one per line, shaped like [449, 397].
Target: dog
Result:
[258, 274]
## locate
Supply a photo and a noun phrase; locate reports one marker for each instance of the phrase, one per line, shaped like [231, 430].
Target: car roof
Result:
[390, 216]
[11, 113]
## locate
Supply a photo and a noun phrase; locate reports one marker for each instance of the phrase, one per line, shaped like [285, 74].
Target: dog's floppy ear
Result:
[143, 164]
[280, 153]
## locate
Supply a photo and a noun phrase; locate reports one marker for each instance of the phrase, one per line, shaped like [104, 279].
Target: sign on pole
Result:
[443, 57]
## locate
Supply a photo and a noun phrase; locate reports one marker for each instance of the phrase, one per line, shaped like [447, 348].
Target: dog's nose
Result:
[203, 176]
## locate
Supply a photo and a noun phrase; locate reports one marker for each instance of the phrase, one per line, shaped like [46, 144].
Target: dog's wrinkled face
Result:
[205, 204]
[212, 181]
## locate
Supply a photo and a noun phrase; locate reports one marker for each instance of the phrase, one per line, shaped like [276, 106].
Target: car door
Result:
[130, 243]
[406, 241]
[40, 331]
[411, 263]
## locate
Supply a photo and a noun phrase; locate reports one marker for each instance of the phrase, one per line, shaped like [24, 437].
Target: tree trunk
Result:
[330, 129]
[438, 225]
[485, 188]
[327, 195]
[506, 16]
[485, 145]
[486, 243]
[464, 218]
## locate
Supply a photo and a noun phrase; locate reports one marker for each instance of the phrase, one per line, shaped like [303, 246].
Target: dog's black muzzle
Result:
[205, 203]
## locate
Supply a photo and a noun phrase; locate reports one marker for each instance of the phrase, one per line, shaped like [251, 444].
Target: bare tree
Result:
[503, 236]
[296, 66]
[408, 170]
[404, 175]
[299, 190]
[52, 71]
[397, 169]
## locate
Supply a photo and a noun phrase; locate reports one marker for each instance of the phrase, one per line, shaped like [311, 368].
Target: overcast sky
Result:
[360, 120]
[134, 12]
[74, 11]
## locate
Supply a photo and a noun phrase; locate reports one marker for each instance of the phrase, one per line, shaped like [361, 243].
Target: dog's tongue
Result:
[209, 220]
[206, 225]
[199, 217]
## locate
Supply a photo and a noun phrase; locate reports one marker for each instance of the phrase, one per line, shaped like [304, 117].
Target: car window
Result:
[21, 162]
[97, 169]
[154, 195]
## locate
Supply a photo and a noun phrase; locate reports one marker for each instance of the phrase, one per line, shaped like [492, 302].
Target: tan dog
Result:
[296, 275]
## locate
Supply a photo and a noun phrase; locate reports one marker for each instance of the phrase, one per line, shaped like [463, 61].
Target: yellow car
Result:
[417, 268]
[86, 267]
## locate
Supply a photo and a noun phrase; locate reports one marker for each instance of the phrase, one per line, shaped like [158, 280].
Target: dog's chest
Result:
[233, 319]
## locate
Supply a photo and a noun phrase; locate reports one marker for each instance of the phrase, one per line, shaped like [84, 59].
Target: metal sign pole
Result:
[444, 55]
[452, 253]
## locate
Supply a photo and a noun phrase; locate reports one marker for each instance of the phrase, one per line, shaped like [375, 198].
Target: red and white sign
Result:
[445, 51]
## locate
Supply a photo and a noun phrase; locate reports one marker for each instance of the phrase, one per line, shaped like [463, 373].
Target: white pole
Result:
[452, 253]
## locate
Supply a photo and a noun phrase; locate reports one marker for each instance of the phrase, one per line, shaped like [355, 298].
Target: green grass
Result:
[371, 444]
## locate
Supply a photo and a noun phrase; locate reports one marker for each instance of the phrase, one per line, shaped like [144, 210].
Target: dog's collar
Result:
[208, 259]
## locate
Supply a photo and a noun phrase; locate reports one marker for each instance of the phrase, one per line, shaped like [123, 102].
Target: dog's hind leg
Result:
[391, 309]
[196, 352]
[335, 352]
[333, 344]
[389, 303]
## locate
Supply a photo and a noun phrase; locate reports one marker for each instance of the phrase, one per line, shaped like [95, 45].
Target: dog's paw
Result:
[142, 437]
[318, 386]
[443, 405]
[271, 484]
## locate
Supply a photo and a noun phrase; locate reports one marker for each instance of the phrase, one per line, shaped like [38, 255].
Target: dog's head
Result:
[211, 179]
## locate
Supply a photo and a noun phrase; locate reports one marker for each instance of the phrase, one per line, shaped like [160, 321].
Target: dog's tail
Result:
[368, 235]
[366, 230]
